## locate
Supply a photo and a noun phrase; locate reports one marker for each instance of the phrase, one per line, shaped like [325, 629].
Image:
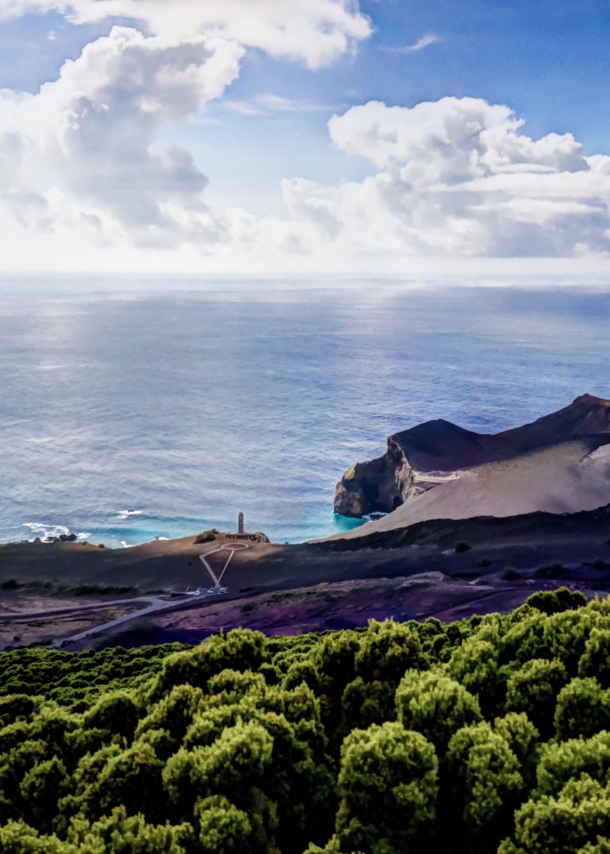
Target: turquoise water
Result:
[132, 415]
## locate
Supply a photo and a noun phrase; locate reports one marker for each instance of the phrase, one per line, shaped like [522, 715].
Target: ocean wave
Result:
[44, 530]
[125, 514]
[47, 532]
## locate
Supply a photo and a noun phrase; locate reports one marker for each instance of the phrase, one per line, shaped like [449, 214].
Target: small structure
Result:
[242, 534]
[257, 537]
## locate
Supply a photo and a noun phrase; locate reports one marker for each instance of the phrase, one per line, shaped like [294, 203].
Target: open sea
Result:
[128, 416]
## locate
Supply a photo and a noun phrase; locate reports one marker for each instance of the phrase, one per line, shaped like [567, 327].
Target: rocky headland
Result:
[559, 463]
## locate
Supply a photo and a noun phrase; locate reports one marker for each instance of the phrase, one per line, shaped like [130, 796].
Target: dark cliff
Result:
[383, 484]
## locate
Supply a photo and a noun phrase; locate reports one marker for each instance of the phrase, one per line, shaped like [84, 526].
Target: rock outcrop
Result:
[417, 459]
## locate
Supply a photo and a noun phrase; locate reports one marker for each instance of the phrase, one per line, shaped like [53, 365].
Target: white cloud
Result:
[80, 165]
[420, 44]
[81, 153]
[457, 178]
[314, 31]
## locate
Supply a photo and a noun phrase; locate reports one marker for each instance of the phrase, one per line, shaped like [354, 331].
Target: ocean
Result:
[143, 413]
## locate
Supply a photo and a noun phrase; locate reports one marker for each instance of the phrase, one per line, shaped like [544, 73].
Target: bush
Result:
[560, 762]
[436, 706]
[557, 601]
[486, 781]
[388, 783]
[239, 649]
[484, 735]
[578, 816]
[595, 660]
[387, 650]
[533, 689]
[460, 548]
[583, 709]
[205, 536]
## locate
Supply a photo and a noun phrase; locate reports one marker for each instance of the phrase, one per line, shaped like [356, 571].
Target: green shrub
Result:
[533, 689]
[435, 706]
[488, 734]
[388, 783]
[583, 709]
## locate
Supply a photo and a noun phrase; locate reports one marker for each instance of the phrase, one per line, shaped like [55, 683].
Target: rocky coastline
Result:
[420, 458]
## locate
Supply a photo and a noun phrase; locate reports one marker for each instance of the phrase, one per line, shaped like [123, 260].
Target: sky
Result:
[296, 136]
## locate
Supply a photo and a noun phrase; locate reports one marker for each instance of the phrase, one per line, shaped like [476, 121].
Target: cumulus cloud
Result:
[458, 177]
[82, 153]
[451, 177]
[314, 31]
[81, 156]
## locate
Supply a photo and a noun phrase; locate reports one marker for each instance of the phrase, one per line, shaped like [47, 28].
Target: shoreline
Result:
[51, 592]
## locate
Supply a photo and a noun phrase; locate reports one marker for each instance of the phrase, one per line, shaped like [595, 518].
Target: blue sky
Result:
[549, 61]
[268, 122]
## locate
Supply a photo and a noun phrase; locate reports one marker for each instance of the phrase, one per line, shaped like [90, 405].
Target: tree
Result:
[129, 777]
[119, 833]
[557, 601]
[475, 664]
[582, 708]
[560, 762]
[15, 706]
[436, 706]
[239, 649]
[223, 828]
[485, 781]
[602, 846]
[16, 837]
[232, 686]
[116, 712]
[388, 785]
[595, 660]
[209, 724]
[533, 689]
[566, 635]
[387, 651]
[41, 789]
[564, 824]
[525, 640]
[523, 739]
[298, 782]
[302, 671]
[230, 766]
[334, 657]
[365, 703]
[14, 767]
[174, 712]
[234, 745]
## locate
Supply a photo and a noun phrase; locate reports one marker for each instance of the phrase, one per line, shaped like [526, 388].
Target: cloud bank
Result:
[80, 159]
[457, 177]
[314, 31]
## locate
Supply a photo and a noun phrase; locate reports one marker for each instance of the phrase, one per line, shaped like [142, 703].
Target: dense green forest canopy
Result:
[491, 734]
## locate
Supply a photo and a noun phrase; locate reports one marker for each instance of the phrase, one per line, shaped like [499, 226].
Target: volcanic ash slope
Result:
[558, 464]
